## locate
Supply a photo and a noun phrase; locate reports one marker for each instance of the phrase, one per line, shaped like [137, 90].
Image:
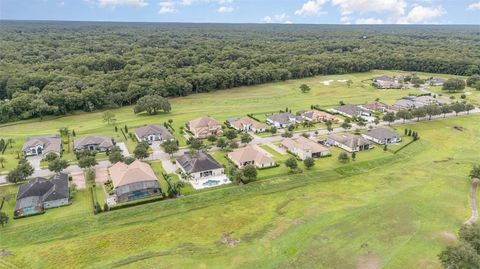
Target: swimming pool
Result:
[211, 183]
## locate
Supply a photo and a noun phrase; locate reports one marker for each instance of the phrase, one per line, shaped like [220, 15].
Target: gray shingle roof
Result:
[50, 143]
[153, 130]
[102, 142]
[198, 163]
[284, 118]
[352, 110]
[40, 190]
[350, 140]
[382, 133]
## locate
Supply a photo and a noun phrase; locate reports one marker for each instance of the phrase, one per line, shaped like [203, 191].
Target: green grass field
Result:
[391, 210]
[221, 105]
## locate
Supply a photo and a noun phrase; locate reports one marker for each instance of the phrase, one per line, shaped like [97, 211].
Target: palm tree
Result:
[11, 141]
[2, 161]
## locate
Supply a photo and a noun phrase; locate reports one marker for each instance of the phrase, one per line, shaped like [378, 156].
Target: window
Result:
[206, 173]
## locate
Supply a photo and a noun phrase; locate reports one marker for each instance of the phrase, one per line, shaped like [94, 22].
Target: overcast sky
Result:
[248, 11]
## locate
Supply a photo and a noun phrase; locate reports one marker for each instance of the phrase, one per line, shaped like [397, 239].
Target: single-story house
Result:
[283, 120]
[382, 136]
[204, 126]
[42, 145]
[40, 194]
[385, 82]
[247, 124]
[402, 104]
[305, 148]
[251, 154]
[349, 142]
[134, 181]
[318, 116]
[377, 106]
[97, 143]
[151, 133]
[353, 111]
[201, 165]
[437, 81]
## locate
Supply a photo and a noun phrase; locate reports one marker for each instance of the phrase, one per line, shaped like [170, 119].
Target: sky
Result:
[248, 11]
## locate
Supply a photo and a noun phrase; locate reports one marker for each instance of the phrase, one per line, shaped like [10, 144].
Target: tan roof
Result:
[316, 115]
[123, 174]
[204, 121]
[303, 143]
[250, 153]
[247, 121]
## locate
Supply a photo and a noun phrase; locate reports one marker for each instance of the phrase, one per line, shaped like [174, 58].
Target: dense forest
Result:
[58, 67]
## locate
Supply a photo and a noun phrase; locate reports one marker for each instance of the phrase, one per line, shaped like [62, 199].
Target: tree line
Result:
[53, 68]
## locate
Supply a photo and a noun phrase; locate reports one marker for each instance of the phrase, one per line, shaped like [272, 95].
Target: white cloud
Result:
[368, 21]
[225, 9]
[474, 6]
[166, 7]
[312, 7]
[279, 18]
[421, 14]
[115, 3]
[393, 7]
[190, 2]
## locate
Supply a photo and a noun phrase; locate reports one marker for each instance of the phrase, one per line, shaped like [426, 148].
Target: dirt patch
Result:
[78, 178]
[459, 128]
[327, 82]
[4, 253]
[101, 175]
[369, 261]
[228, 240]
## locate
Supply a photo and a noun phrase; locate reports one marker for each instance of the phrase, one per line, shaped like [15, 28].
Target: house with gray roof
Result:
[353, 111]
[42, 145]
[283, 120]
[382, 136]
[151, 133]
[96, 143]
[437, 81]
[200, 165]
[349, 142]
[40, 194]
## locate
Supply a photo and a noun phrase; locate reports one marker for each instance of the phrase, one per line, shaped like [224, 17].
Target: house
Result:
[410, 102]
[134, 181]
[382, 136]
[151, 133]
[204, 126]
[318, 116]
[353, 111]
[97, 143]
[379, 107]
[200, 165]
[437, 81]
[305, 148]
[251, 155]
[42, 145]
[283, 120]
[385, 82]
[246, 124]
[405, 104]
[349, 142]
[40, 194]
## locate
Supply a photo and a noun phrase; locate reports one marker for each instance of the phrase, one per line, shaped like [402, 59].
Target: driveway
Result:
[78, 178]
[124, 149]
[35, 162]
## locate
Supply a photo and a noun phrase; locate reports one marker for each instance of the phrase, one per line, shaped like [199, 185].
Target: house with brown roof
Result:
[349, 142]
[42, 145]
[204, 126]
[134, 181]
[96, 143]
[151, 133]
[251, 154]
[318, 116]
[247, 124]
[385, 82]
[305, 148]
[377, 106]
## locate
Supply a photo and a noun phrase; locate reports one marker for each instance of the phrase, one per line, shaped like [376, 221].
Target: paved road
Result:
[159, 154]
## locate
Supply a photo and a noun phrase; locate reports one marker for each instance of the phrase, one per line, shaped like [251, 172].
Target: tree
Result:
[231, 134]
[246, 138]
[432, 110]
[389, 117]
[460, 256]
[343, 157]
[475, 172]
[152, 104]
[3, 160]
[222, 143]
[305, 88]
[458, 107]
[21, 172]
[346, 125]
[233, 144]
[170, 147]
[87, 162]
[3, 218]
[404, 115]
[469, 107]
[273, 130]
[354, 156]
[141, 150]
[473, 80]
[454, 85]
[419, 113]
[329, 124]
[212, 138]
[2, 145]
[309, 162]
[57, 165]
[50, 157]
[249, 173]
[115, 155]
[109, 118]
[195, 143]
[445, 110]
[291, 163]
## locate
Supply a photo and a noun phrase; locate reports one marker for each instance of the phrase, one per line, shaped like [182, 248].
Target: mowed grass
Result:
[397, 210]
